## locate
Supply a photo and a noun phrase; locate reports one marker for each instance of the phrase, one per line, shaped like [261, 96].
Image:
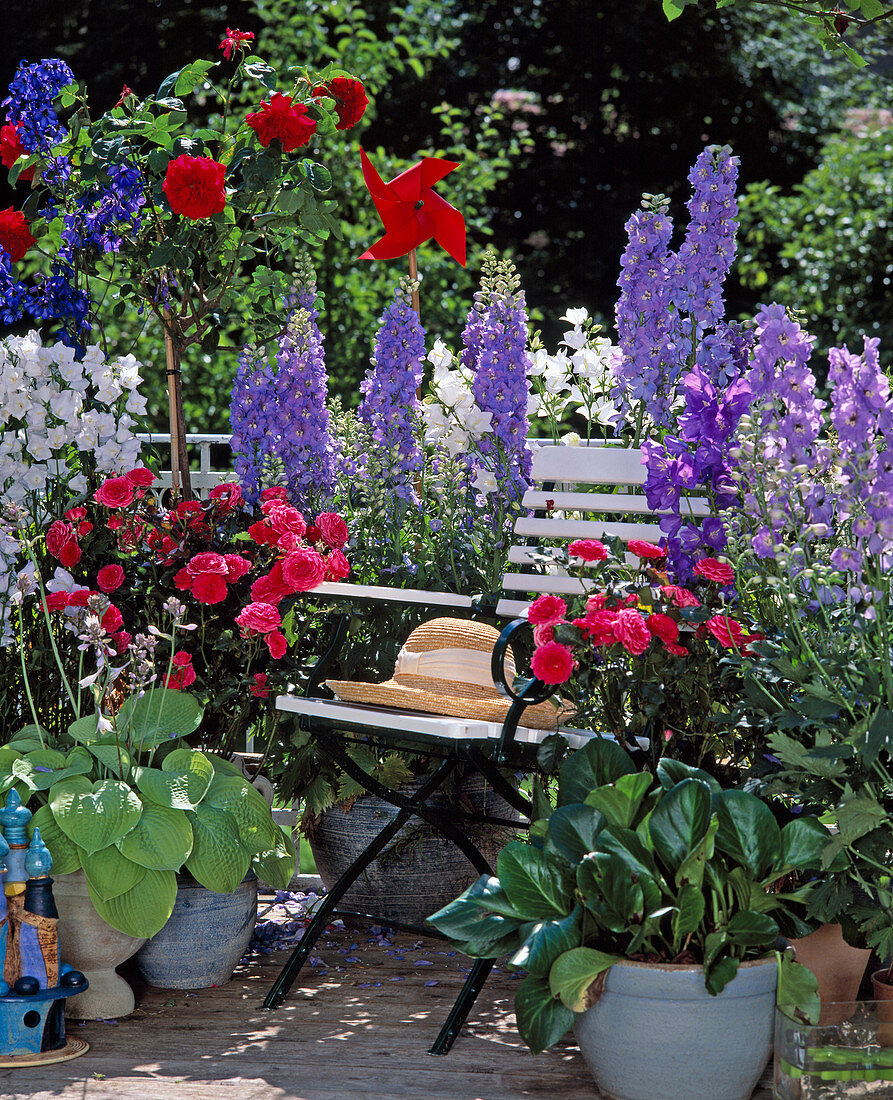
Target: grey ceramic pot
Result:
[657, 1034]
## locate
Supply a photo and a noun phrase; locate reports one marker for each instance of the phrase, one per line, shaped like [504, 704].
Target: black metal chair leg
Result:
[474, 983]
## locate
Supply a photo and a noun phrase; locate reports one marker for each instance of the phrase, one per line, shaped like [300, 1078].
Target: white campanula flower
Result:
[39, 447]
[484, 480]
[440, 356]
[576, 317]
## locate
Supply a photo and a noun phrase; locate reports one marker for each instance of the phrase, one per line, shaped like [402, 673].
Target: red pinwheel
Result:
[411, 211]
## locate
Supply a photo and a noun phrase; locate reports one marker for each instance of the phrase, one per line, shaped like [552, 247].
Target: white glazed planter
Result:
[89, 944]
[657, 1034]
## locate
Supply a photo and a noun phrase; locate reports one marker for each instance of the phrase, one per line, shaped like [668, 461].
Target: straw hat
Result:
[444, 668]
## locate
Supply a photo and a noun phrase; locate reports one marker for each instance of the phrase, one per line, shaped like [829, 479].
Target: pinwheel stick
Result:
[414, 275]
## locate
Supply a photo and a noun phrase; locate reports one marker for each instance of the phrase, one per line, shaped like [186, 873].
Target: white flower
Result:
[476, 422]
[39, 447]
[574, 338]
[484, 481]
[571, 439]
[34, 477]
[440, 355]
[575, 316]
[136, 404]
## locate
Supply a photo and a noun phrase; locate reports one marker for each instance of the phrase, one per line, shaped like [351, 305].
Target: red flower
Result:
[284, 519]
[236, 566]
[11, 148]
[681, 597]
[643, 549]
[228, 496]
[183, 579]
[234, 41]
[115, 492]
[194, 187]
[121, 641]
[714, 570]
[209, 588]
[333, 529]
[259, 687]
[112, 620]
[303, 569]
[270, 588]
[110, 578]
[79, 597]
[15, 236]
[262, 533]
[75, 514]
[546, 610]
[182, 673]
[631, 631]
[588, 550]
[727, 631]
[282, 120]
[140, 477]
[276, 644]
[56, 601]
[600, 627]
[676, 649]
[337, 566]
[59, 535]
[312, 534]
[274, 492]
[259, 618]
[663, 627]
[552, 663]
[207, 562]
[126, 93]
[350, 99]
[543, 634]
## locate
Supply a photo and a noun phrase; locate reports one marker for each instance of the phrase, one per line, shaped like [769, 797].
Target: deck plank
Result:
[359, 1027]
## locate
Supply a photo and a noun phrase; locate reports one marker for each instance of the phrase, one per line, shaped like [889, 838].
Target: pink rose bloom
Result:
[332, 529]
[58, 535]
[236, 566]
[588, 550]
[631, 631]
[596, 603]
[271, 587]
[681, 597]
[259, 618]
[715, 570]
[140, 477]
[727, 631]
[259, 687]
[289, 541]
[207, 562]
[600, 627]
[543, 634]
[115, 492]
[229, 495]
[209, 588]
[646, 550]
[663, 627]
[121, 640]
[276, 644]
[112, 620]
[274, 492]
[285, 519]
[546, 610]
[110, 578]
[303, 570]
[552, 663]
[337, 566]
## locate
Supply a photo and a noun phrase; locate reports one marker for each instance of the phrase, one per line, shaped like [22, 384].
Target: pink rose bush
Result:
[642, 657]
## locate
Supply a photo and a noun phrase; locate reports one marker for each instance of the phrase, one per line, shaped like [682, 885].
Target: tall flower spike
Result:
[390, 404]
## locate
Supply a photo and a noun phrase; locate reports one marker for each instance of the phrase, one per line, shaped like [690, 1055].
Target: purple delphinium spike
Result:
[495, 352]
[390, 403]
[253, 414]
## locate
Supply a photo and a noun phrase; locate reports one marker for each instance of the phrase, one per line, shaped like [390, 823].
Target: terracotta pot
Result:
[89, 944]
[883, 994]
[838, 967]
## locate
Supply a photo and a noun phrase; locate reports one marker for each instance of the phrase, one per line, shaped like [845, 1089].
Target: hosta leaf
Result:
[64, 851]
[160, 715]
[278, 866]
[109, 874]
[180, 783]
[218, 860]
[94, 815]
[117, 760]
[161, 840]
[234, 795]
[84, 730]
[144, 909]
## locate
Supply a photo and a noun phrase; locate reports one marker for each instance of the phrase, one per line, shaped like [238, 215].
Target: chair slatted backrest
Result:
[579, 493]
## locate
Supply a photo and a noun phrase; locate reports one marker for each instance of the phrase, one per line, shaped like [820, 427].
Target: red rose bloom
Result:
[15, 235]
[236, 566]
[75, 514]
[11, 148]
[207, 562]
[56, 601]
[647, 550]
[663, 627]
[727, 632]
[588, 550]
[676, 649]
[209, 588]
[234, 40]
[631, 631]
[552, 663]
[600, 627]
[182, 673]
[228, 496]
[194, 187]
[333, 530]
[273, 492]
[282, 120]
[262, 533]
[259, 618]
[79, 597]
[140, 477]
[546, 610]
[312, 534]
[303, 570]
[121, 641]
[110, 578]
[276, 644]
[337, 566]
[350, 99]
[59, 534]
[681, 597]
[270, 588]
[115, 492]
[183, 579]
[543, 634]
[286, 520]
[112, 620]
[714, 570]
[259, 687]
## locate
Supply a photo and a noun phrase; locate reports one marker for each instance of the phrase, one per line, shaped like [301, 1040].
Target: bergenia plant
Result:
[139, 204]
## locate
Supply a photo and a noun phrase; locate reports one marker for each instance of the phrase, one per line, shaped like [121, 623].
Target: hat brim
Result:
[540, 716]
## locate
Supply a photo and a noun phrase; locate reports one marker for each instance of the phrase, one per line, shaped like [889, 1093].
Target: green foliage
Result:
[675, 871]
[825, 247]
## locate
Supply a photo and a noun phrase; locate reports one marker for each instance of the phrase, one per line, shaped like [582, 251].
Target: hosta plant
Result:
[657, 868]
[128, 801]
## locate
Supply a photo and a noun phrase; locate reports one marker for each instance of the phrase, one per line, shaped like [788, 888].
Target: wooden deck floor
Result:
[356, 1025]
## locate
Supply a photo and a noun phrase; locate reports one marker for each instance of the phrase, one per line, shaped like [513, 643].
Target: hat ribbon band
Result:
[469, 666]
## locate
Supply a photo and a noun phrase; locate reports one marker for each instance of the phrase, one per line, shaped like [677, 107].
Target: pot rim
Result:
[693, 967]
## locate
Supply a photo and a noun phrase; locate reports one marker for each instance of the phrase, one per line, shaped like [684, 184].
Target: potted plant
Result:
[647, 905]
